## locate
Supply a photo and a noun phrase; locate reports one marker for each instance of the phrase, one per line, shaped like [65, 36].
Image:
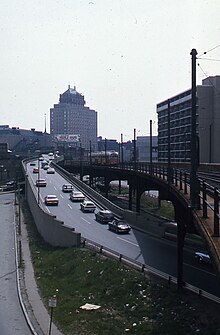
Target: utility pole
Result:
[194, 153]
[122, 151]
[151, 155]
[105, 151]
[135, 156]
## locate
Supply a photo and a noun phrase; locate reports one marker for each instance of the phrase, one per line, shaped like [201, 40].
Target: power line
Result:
[205, 53]
[212, 59]
[217, 91]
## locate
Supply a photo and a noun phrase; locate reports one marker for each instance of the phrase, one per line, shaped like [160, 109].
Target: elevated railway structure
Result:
[143, 177]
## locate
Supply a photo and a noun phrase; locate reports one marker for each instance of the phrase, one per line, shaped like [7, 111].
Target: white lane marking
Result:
[69, 206]
[194, 267]
[85, 220]
[55, 188]
[61, 195]
[120, 238]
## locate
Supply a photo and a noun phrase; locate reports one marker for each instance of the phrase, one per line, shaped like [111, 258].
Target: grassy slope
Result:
[130, 303]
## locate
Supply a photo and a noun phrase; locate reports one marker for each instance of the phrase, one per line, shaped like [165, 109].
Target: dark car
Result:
[119, 226]
[203, 257]
[67, 188]
[104, 216]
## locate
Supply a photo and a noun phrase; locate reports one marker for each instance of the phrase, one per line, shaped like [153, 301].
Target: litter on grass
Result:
[89, 307]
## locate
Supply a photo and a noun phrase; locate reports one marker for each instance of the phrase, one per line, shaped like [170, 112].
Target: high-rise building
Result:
[71, 117]
[207, 124]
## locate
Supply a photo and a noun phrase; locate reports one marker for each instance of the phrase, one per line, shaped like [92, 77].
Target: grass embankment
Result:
[164, 208]
[130, 303]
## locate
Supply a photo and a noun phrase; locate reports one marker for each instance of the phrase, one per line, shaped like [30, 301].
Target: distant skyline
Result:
[124, 56]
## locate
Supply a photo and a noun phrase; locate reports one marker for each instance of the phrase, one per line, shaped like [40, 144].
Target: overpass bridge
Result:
[173, 186]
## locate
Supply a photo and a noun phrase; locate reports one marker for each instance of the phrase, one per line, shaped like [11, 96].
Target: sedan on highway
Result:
[35, 170]
[77, 196]
[51, 199]
[67, 188]
[104, 216]
[202, 257]
[119, 226]
[87, 206]
[41, 183]
[51, 170]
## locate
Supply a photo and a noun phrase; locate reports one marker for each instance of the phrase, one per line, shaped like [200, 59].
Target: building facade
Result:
[208, 124]
[71, 117]
[143, 148]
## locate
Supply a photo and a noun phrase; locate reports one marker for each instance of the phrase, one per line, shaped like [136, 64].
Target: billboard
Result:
[69, 138]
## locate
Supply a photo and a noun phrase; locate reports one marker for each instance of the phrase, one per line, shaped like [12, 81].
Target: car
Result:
[77, 196]
[35, 170]
[87, 206]
[41, 158]
[202, 257]
[32, 164]
[51, 156]
[66, 188]
[43, 163]
[104, 216]
[119, 226]
[41, 183]
[50, 170]
[46, 167]
[51, 200]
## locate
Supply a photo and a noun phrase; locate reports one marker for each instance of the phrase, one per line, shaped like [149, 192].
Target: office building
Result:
[143, 148]
[208, 124]
[72, 118]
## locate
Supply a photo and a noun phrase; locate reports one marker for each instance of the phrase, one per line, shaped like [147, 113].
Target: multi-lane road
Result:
[156, 252]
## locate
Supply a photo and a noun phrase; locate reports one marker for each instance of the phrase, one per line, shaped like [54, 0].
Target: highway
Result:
[156, 252]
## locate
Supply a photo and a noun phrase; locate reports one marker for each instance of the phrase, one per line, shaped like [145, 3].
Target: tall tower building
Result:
[71, 117]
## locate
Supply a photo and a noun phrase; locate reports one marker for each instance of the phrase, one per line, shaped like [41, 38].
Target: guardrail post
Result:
[175, 177]
[216, 212]
[185, 183]
[181, 182]
[204, 199]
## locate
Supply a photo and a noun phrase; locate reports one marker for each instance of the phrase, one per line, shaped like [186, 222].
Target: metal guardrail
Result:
[144, 268]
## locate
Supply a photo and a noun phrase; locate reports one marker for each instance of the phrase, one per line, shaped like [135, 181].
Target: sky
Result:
[124, 56]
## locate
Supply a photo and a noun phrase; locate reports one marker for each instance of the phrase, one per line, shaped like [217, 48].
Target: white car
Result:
[50, 170]
[77, 196]
[51, 200]
[87, 206]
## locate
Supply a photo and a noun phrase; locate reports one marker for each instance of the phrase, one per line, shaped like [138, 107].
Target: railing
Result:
[208, 195]
[146, 269]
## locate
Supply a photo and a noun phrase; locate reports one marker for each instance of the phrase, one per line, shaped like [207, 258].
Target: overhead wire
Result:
[205, 52]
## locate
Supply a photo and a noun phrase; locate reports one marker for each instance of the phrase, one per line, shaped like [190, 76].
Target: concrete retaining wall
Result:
[50, 228]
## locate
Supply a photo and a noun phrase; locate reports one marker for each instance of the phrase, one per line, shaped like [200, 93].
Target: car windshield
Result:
[51, 197]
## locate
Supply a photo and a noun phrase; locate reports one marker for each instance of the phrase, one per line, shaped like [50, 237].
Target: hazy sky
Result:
[124, 56]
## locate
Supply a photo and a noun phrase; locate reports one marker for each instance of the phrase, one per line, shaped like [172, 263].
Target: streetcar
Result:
[104, 157]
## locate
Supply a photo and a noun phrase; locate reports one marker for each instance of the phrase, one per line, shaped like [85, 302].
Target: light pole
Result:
[135, 156]
[151, 155]
[38, 174]
[122, 151]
